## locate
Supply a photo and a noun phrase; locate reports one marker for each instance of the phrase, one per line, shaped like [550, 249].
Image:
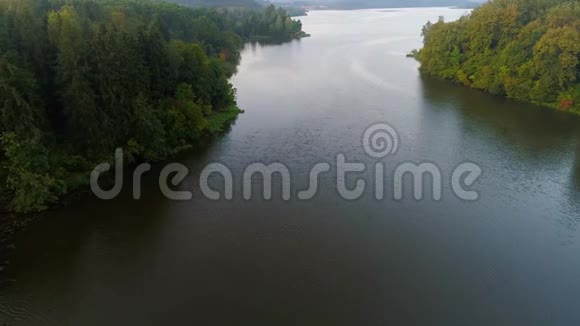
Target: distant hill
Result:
[362, 4]
[220, 3]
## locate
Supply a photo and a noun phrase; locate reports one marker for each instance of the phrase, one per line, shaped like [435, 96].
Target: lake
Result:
[509, 257]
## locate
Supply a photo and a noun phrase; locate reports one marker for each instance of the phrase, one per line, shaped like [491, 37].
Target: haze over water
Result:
[512, 257]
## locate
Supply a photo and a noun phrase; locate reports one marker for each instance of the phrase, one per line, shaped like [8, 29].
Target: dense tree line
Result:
[79, 78]
[221, 3]
[524, 49]
[268, 24]
[294, 11]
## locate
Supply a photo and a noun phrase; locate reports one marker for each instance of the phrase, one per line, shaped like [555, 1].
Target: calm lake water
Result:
[511, 257]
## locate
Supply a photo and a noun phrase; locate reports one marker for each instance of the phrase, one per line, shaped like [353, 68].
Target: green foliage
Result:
[17, 91]
[219, 3]
[79, 78]
[294, 11]
[185, 118]
[526, 50]
[218, 122]
[29, 181]
[268, 24]
[149, 134]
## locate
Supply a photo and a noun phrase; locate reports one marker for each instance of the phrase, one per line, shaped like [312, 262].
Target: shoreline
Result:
[550, 106]
[11, 224]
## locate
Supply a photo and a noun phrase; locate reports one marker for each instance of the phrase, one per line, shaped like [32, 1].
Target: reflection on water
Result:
[575, 178]
[533, 130]
[534, 137]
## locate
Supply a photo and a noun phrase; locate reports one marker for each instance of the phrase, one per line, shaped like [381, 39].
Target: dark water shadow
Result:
[525, 126]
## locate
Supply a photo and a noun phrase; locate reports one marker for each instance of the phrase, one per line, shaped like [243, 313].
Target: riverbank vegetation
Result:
[79, 78]
[522, 49]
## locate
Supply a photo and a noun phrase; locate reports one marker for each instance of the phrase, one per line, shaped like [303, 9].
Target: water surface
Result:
[512, 257]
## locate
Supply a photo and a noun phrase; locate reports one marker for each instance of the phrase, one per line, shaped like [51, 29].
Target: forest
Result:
[528, 50]
[79, 78]
[219, 3]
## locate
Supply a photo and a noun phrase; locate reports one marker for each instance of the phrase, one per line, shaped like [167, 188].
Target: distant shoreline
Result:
[390, 9]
